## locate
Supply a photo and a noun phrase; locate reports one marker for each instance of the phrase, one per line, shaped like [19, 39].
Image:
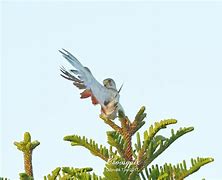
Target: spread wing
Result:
[83, 79]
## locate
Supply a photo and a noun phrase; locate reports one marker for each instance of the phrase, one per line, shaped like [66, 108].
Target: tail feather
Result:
[78, 83]
[72, 59]
[68, 75]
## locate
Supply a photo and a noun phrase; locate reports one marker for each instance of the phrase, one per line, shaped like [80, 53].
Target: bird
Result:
[106, 94]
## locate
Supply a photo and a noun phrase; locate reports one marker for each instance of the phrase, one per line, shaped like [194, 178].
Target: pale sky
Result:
[167, 54]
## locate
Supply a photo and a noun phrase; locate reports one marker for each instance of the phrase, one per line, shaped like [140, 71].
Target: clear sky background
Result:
[167, 54]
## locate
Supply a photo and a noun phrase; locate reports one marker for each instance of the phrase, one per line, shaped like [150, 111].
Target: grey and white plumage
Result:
[106, 95]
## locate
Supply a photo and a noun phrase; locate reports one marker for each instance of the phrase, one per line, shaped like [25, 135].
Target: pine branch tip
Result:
[27, 137]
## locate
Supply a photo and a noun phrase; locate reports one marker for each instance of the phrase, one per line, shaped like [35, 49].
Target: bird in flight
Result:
[106, 95]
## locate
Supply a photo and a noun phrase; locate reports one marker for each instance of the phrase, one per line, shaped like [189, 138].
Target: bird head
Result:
[109, 83]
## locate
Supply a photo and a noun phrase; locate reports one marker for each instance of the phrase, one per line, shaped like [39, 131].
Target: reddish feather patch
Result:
[94, 100]
[87, 93]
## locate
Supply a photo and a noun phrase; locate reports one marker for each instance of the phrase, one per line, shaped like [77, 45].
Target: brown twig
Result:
[28, 163]
[112, 124]
[127, 135]
[126, 131]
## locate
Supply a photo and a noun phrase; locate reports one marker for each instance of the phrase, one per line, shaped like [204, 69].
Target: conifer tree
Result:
[124, 160]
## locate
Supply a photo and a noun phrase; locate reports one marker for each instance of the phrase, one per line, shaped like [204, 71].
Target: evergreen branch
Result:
[124, 130]
[163, 177]
[150, 155]
[91, 145]
[69, 173]
[148, 138]
[179, 171]
[27, 147]
[74, 171]
[138, 121]
[158, 141]
[116, 140]
[134, 129]
[140, 115]
[24, 176]
[153, 130]
[79, 173]
[86, 176]
[196, 165]
[111, 153]
[138, 144]
[55, 174]
[111, 124]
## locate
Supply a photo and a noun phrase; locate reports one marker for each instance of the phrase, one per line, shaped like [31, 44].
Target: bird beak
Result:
[120, 88]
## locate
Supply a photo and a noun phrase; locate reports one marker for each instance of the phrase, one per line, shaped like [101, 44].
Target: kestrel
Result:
[106, 95]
